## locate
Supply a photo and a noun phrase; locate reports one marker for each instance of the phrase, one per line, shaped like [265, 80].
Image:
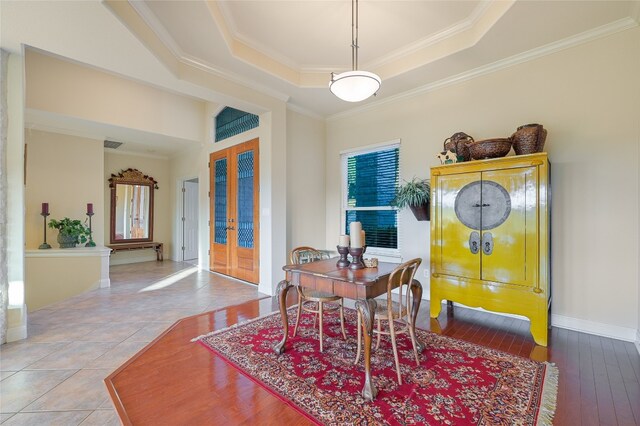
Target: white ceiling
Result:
[288, 48]
[292, 46]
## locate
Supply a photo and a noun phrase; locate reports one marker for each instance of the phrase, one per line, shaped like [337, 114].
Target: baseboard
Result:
[104, 283]
[16, 333]
[129, 260]
[592, 327]
[576, 324]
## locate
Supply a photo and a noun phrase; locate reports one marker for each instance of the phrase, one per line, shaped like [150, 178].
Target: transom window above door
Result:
[369, 181]
[230, 122]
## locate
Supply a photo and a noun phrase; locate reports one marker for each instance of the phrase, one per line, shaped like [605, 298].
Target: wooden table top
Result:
[328, 269]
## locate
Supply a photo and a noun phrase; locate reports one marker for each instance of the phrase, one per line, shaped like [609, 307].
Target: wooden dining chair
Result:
[388, 309]
[314, 301]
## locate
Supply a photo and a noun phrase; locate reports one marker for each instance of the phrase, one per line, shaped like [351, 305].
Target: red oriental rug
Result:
[457, 383]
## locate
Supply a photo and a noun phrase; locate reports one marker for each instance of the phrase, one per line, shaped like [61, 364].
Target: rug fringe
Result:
[549, 395]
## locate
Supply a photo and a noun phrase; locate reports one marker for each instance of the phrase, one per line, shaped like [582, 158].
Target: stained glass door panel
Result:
[234, 211]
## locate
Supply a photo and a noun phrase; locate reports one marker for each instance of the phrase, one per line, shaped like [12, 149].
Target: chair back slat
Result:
[306, 254]
[402, 279]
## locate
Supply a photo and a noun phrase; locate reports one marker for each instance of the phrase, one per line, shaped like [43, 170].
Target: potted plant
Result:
[416, 195]
[72, 232]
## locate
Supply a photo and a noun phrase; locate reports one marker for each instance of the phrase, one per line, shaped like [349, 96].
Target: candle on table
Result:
[45, 208]
[362, 237]
[355, 229]
[343, 241]
[89, 208]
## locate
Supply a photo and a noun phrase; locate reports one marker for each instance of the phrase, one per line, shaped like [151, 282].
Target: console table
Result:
[136, 246]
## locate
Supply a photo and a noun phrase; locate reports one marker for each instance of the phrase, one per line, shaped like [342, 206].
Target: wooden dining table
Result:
[361, 285]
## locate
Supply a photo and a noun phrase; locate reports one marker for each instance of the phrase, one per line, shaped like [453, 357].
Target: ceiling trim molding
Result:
[201, 65]
[304, 111]
[247, 53]
[584, 37]
[458, 37]
[456, 30]
[152, 22]
[131, 19]
[141, 22]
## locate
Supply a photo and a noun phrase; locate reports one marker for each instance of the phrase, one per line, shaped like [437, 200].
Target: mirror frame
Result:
[131, 177]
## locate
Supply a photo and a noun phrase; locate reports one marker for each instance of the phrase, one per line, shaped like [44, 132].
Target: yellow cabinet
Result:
[490, 237]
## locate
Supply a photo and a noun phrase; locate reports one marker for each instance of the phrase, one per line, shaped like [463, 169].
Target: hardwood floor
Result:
[174, 381]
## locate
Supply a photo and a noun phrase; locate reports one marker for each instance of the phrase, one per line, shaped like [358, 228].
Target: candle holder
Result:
[44, 245]
[343, 262]
[90, 243]
[357, 262]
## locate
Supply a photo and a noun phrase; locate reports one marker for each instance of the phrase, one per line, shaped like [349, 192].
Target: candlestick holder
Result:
[343, 262]
[90, 243]
[44, 245]
[357, 262]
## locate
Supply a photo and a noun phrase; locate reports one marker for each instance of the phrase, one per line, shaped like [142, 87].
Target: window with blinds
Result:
[231, 122]
[370, 179]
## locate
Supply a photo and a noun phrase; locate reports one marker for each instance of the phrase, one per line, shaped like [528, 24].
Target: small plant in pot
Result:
[72, 232]
[416, 195]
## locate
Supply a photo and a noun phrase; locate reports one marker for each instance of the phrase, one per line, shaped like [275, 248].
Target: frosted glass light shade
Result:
[354, 86]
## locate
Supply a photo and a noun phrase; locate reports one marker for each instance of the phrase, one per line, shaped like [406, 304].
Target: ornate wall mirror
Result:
[131, 206]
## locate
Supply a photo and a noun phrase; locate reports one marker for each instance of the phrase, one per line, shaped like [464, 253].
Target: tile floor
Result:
[55, 376]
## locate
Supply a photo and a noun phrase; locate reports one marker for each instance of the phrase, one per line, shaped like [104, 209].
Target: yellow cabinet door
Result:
[455, 252]
[509, 232]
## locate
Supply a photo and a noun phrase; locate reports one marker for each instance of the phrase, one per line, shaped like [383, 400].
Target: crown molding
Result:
[160, 31]
[163, 36]
[472, 21]
[459, 36]
[218, 72]
[584, 37]
[304, 111]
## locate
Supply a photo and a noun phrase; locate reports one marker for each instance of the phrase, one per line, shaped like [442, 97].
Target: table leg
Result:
[416, 290]
[366, 309]
[281, 291]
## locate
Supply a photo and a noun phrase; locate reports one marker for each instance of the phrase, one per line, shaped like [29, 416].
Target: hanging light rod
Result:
[354, 85]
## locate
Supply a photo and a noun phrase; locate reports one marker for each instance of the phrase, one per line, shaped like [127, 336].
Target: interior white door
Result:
[190, 220]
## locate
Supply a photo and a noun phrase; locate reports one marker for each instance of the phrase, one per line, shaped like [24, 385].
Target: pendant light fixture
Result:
[354, 85]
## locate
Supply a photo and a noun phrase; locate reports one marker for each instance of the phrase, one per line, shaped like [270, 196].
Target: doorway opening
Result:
[189, 219]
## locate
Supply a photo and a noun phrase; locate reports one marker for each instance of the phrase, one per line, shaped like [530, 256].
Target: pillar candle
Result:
[89, 208]
[343, 241]
[355, 229]
[362, 236]
[45, 208]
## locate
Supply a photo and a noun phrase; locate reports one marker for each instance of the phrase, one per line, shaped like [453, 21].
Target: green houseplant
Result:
[416, 195]
[72, 232]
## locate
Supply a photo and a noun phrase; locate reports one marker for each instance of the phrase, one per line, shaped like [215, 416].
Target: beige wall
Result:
[159, 169]
[273, 184]
[53, 279]
[588, 97]
[68, 89]
[305, 181]
[67, 172]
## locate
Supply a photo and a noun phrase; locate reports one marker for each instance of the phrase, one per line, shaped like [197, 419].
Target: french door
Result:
[234, 224]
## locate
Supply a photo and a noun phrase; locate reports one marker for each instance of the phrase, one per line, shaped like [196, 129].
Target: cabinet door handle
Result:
[487, 243]
[474, 242]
